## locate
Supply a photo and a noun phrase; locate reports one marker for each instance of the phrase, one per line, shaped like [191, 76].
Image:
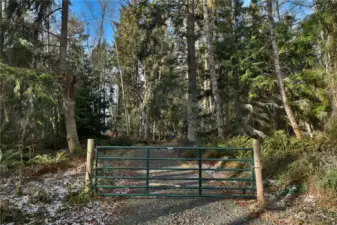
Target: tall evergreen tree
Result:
[69, 84]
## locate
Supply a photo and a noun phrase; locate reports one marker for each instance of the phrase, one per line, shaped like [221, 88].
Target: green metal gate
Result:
[107, 183]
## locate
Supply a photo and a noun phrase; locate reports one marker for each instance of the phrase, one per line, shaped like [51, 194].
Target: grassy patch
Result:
[79, 197]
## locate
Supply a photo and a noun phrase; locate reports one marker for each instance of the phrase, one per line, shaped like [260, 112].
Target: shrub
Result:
[49, 160]
[80, 197]
[233, 142]
[332, 127]
[48, 163]
[295, 161]
[298, 171]
[9, 159]
[327, 177]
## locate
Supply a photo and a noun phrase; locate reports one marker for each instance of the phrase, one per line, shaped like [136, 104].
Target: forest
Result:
[198, 72]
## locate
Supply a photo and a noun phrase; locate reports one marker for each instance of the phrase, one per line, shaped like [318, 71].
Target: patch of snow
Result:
[57, 212]
[309, 199]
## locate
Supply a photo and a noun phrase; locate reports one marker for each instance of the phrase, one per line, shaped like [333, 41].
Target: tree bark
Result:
[279, 73]
[126, 116]
[154, 131]
[331, 69]
[144, 105]
[2, 32]
[69, 87]
[192, 108]
[214, 77]
[235, 8]
[278, 10]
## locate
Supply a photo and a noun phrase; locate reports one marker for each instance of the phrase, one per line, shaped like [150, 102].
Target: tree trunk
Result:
[192, 108]
[279, 73]
[278, 10]
[154, 131]
[235, 14]
[125, 102]
[69, 87]
[2, 31]
[144, 104]
[214, 77]
[331, 68]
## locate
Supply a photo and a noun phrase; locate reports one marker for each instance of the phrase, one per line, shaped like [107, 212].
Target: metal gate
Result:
[112, 174]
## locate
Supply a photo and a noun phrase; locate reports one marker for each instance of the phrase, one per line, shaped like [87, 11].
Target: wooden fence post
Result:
[258, 171]
[89, 165]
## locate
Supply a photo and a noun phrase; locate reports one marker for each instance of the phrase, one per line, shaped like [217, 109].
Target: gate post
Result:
[89, 165]
[258, 171]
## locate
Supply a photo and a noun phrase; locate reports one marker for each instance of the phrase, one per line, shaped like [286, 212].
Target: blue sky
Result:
[90, 9]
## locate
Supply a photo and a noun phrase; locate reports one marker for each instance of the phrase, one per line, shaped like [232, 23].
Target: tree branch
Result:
[51, 13]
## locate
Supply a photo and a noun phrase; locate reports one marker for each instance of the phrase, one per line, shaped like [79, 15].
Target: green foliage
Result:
[294, 190]
[332, 127]
[28, 106]
[298, 171]
[9, 159]
[47, 163]
[286, 159]
[293, 161]
[80, 197]
[327, 177]
[60, 157]
[233, 142]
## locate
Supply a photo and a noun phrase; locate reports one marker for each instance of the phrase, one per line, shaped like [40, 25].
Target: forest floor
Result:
[55, 198]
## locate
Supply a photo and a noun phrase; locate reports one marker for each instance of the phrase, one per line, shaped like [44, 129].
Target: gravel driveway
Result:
[183, 211]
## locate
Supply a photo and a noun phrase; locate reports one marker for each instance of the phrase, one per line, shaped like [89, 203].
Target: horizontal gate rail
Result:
[169, 178]
[176, 195]
[175, 159]
[173, 187]
[172, 147]
[186, 169]
[102, 173]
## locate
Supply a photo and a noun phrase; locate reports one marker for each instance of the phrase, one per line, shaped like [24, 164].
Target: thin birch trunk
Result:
[279, 73]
